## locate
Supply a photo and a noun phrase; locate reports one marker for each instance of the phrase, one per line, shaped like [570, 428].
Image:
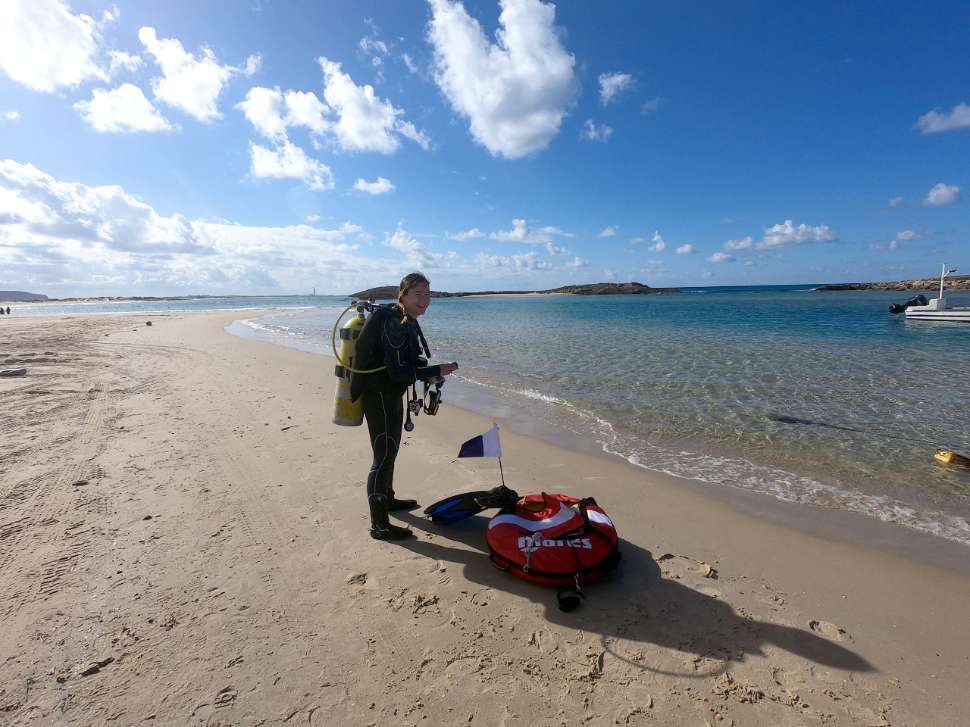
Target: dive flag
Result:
[484, 445]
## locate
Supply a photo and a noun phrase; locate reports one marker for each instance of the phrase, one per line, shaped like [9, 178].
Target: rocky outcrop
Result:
[956, 282]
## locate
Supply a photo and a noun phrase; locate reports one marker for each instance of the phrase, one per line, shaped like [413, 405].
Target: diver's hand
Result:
[448, 368]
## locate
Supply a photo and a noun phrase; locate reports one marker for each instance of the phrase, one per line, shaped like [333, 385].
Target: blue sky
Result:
[269, 147]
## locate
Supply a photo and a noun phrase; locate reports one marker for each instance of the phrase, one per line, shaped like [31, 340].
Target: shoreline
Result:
[200, 529]
[851, 526]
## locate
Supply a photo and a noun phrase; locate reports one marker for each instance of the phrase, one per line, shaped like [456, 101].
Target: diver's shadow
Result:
[636, 603]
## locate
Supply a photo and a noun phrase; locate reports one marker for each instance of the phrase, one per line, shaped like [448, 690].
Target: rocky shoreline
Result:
[958, 282]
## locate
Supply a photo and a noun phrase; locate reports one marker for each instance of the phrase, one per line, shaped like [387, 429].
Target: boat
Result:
[937, 309]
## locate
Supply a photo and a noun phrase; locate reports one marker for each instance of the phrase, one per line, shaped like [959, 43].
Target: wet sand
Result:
[183, 540]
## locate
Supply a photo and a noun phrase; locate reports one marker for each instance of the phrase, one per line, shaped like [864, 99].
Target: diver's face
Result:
[416, 300]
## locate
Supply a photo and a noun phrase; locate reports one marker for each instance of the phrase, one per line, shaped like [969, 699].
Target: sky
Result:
[271, 147]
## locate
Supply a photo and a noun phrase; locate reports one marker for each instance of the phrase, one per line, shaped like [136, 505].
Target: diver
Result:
[392, 338]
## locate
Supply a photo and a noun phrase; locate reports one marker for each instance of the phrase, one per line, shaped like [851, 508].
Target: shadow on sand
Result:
[636, 603]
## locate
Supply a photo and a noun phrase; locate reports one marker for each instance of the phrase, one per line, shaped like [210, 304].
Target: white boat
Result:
[938, 309]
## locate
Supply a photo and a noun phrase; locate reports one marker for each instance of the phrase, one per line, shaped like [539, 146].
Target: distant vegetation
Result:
[956, 282]
[19, 295]
[389, 292]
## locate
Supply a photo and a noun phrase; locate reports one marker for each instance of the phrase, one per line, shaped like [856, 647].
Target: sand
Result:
[183, 541]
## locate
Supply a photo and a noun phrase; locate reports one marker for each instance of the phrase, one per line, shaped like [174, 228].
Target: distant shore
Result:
[959, 282]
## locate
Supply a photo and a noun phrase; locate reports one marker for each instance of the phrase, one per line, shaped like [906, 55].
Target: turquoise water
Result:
[821, 398]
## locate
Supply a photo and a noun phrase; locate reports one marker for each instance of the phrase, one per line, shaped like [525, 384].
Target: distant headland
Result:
[389, 292]
[15, 296]
[957, 282]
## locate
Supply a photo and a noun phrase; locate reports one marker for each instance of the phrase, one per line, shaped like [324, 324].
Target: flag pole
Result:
[500, 471]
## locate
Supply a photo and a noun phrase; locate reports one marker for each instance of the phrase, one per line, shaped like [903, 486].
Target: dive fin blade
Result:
[458, 507]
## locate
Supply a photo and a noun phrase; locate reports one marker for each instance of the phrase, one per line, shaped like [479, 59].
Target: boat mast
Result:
[942, 275]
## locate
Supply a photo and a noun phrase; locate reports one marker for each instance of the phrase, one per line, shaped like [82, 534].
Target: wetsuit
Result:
[390, 340]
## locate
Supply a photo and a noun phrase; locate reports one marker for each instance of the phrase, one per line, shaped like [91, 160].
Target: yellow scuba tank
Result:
[346, 412]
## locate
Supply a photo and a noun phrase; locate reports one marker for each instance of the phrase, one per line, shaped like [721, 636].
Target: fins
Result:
[458, 507]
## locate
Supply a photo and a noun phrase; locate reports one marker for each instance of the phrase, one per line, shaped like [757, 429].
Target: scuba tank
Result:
[351, 414]
[346, 412]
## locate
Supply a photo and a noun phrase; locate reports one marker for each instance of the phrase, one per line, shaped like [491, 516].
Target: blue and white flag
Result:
[484, 445]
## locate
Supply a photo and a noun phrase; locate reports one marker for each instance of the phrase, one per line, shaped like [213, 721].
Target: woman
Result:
[391, 338]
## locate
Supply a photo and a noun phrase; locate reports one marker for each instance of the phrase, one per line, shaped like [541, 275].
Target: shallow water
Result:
[821, 398]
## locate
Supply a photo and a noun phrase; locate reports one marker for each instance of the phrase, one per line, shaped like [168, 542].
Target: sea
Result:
[784, 392]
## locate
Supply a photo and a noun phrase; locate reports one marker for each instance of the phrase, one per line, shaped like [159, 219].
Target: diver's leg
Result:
[381, 427]
[395, 410]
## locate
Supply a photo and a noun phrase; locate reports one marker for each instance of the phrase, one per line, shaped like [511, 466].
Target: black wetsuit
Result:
[387, 339]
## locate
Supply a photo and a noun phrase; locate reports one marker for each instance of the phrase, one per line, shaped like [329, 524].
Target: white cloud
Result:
[410, 131]
[45, 47]
[907, 235]
[372, 45]
[652, 106]
[253, 64]
[721, 257]
[411, 65]
[119, 61]
[36, 209]
[612, 84]
[11, 115]
[518, 233]
[263, 108]
[418, 256]
[514, 92]
[123, 109]
[187, 82]
[312, 218]
[365, 122]
[288, 161]
[378, 186]
[66, 236]
[707, 275]
[895, 201]
[271, 112]
[554, 249]
[529, 261]
[934, 121]
[303, 108]
[941, 195]
[524, 262]
[521, 232]
[592, 132]
[685, 249]
[609, 231]
[659, 244]
[468, 234]
[787, 233]
[576, 263]
[744, 243]
[637, 240]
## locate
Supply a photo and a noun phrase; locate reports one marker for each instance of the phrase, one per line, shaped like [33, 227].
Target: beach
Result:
[183, 540]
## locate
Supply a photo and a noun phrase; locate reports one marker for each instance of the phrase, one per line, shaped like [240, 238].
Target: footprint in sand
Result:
[357, 579]
[827, 629]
